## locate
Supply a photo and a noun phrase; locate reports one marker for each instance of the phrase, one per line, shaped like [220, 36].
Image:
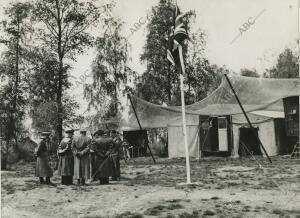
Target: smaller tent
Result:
[269, 127]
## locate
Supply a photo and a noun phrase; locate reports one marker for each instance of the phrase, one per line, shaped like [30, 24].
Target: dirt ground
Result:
[223, 188]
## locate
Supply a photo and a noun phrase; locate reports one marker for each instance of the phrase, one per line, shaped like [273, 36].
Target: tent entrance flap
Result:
[215, 135]
[209, 137]
[222, 134]
[248, 143]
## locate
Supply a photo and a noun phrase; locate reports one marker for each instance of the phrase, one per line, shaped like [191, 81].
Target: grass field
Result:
[222, 188]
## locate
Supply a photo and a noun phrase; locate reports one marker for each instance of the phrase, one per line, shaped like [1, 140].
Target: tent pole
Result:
[247, 118]
[140, 126]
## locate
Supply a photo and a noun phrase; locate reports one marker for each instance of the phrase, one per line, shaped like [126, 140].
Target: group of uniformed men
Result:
[81, 158]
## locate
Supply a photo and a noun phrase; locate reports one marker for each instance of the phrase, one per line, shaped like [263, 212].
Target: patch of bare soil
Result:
[222, 188]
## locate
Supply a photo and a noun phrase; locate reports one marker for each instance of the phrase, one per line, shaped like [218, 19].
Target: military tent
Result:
[269, 127]
[256, 94]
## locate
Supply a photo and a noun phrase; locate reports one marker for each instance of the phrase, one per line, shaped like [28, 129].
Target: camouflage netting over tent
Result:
[254, 93]
[150, 115]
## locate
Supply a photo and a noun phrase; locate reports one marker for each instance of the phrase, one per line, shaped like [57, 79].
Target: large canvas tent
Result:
[256, 94]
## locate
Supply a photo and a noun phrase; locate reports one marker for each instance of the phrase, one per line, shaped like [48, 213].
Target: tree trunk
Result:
[60, 74]
[116, 100]
[4, 162]
[16, 90]
[169, 87]
[59, 101]
[4, 155]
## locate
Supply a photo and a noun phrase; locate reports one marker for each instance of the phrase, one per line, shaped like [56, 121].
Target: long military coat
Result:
[103, 162]
[115, 156]
[80, 148]
[42, 166]
[65, 158]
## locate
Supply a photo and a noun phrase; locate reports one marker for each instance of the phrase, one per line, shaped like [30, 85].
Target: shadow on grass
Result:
[122, 215]
[158, 209]
[9, 188]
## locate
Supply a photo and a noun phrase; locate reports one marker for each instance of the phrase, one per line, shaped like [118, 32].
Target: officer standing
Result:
[80, 148]
[103, 164]
[93, 158]
[66, 159]
[115, 155]
[42, 166]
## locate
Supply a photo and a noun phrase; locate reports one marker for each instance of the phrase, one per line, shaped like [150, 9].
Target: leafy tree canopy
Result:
[111, 74]
[286, 67]
[249, 73]
[160, 82]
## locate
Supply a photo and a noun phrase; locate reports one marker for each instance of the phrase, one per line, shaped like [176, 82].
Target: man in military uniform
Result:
[66, 159]
[80, 148]
[93, 158]
[115, 155]
[101, 145]
[42, 166]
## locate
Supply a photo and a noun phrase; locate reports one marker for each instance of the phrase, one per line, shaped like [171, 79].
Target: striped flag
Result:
[177, 35]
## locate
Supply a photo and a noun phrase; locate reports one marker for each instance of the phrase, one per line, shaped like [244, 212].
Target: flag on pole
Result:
[174, 55]
[176, 38]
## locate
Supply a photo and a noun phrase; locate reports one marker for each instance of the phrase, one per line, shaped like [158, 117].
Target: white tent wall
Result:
[236, 140]
[176, 141]
[266, 133]
[267, 137]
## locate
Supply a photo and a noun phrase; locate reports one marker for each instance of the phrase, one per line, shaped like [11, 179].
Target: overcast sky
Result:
[257, 48]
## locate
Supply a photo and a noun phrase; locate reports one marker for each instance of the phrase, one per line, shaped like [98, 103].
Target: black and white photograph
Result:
[150, 108]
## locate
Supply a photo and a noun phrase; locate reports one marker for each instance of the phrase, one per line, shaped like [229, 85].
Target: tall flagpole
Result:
[187, 155]
[178, 30]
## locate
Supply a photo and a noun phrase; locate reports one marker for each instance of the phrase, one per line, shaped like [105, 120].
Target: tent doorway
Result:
[137, 141]
[248, 143]
[215, 136]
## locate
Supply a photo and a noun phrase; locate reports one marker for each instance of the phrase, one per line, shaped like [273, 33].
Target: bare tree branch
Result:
[51, 28]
